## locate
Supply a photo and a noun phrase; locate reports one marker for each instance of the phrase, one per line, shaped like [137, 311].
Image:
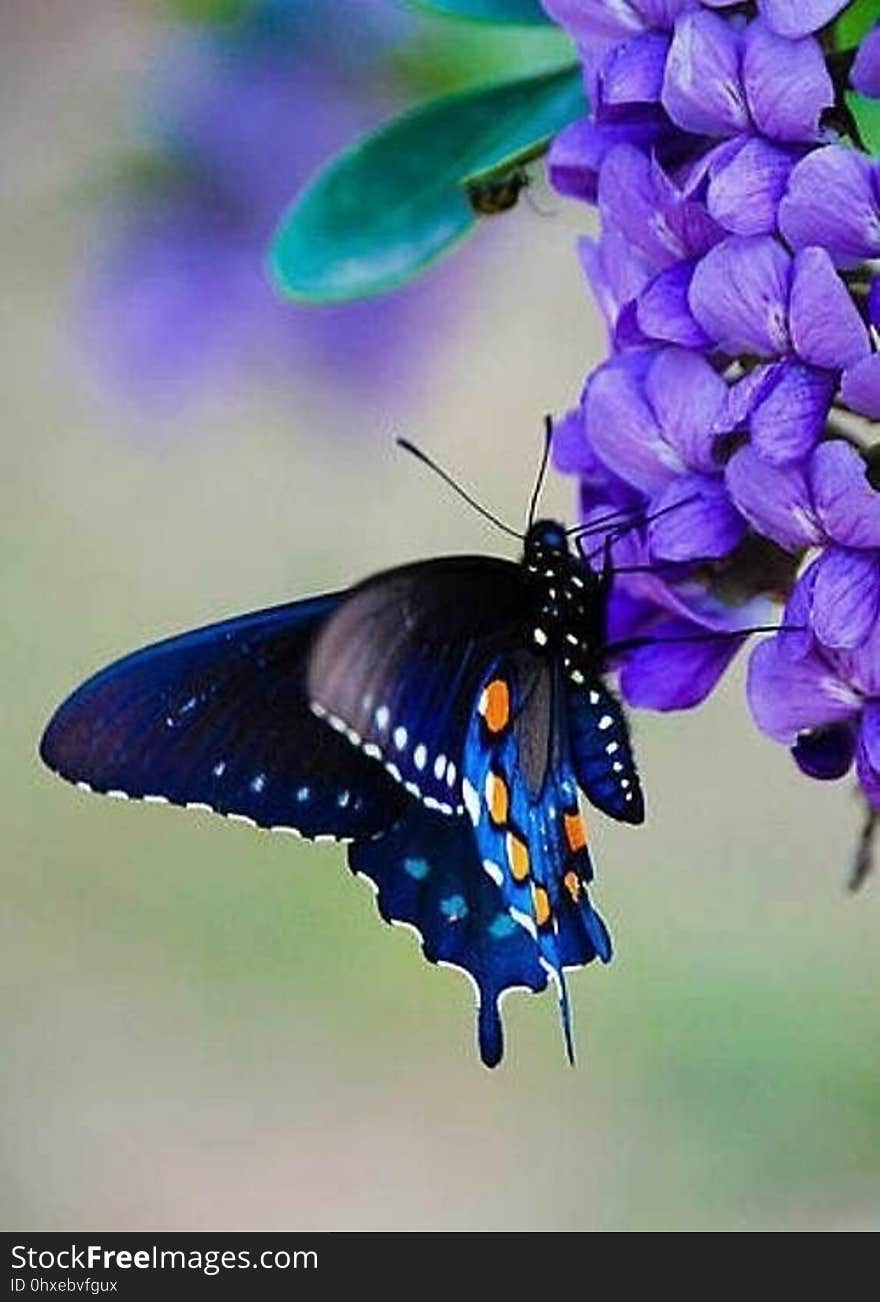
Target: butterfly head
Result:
[568, 611]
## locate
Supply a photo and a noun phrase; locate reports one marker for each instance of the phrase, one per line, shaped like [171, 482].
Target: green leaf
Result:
[867, 115]
[388, 206]
[524, 12]
[855, 22]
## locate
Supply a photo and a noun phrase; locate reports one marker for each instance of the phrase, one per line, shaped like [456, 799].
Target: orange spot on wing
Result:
[575, 831]
[572, 885]
[517, 857]
[495, 705]
[497, 799]
[541, 901]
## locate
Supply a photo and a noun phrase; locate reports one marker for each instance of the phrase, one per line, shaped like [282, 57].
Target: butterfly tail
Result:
[565, 1015]
[490, 1032]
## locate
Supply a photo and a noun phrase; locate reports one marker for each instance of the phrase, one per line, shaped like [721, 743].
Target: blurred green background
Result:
[208, 1028]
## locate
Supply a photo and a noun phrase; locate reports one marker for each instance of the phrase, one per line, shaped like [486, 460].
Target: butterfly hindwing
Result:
[397, 666]
[601, 753]
[219, 718]
[521, 795]
[428, 876]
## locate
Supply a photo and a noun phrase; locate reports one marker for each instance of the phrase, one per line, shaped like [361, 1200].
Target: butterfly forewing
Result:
[397, 667]
[219, 718]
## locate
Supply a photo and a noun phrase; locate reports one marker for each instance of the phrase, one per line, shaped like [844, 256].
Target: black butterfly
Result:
[440, 717]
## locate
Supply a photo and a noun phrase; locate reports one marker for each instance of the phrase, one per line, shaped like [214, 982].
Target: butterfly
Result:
[440, 717]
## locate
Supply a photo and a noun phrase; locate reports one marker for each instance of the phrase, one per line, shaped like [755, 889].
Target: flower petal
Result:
[826, 328]
[632, 72]
[870, 735]
[797, 640]
[799, 17]
[826, 753]
[831, 201]
[578, 151]
[788, 697]
[786, 82]
[589, 20]
[739, 295]
[701, 88]
[787, 424]
[628, 204]
[865, 74]
[860, 388]
[746, 185]
[700, 521]
[571, 451]
[847, 504]
[675, 676]
[688, 397]
[664, 312]
[868, 754]
[775, 501]
[622, 428]
[846, 597]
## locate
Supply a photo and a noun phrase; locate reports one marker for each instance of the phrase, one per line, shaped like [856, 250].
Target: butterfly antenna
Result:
[542, 469]
[457, 488]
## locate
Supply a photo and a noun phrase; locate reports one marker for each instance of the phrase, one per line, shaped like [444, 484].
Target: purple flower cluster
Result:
[739, 224]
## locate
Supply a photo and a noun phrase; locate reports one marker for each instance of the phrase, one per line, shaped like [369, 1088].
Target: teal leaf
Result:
[867, 115]
[525, 12]
[389, 205]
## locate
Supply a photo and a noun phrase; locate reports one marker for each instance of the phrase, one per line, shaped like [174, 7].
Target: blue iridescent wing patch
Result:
[427, 876]
[520, 792]
[397, 666]
[601, 753]
[218, 719]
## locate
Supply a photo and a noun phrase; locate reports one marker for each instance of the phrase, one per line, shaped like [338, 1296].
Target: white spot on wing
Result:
[494, 871]
[471, 801]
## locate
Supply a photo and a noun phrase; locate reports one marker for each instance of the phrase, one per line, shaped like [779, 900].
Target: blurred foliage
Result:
[855, 22]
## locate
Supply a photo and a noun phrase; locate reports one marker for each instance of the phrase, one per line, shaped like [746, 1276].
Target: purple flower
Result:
[825, 706]
[662, 622]
[746, 180]
[577, 153]
[833, 199]
[653, 416]
[827, 503]
[865, 74]
[592, 22]
[723, 226]
[723, 81]
[792, 18]
[753, 298]
[652, 234]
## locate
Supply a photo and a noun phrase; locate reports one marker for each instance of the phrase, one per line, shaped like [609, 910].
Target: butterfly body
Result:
[440, 717]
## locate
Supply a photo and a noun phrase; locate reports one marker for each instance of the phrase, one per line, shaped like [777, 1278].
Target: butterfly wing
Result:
[601, 753]
[219, 718]
[521, 794]
[397, 666]
[427, 876]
